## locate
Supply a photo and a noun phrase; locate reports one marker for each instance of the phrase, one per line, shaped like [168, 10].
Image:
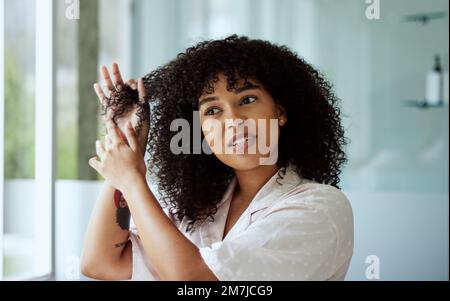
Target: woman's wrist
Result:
[135, 181]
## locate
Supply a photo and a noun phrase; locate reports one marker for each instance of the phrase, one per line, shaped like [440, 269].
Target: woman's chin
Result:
[241, 161]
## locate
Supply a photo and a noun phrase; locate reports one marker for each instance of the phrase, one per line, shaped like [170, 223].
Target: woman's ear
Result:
[282, 117]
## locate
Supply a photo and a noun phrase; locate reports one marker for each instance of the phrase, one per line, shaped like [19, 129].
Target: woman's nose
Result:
[234, 118]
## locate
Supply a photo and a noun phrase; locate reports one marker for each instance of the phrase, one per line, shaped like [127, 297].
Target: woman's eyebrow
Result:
[207, 99]
[248, 86]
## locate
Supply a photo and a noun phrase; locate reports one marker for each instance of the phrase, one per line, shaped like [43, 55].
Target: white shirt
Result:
[300, 230]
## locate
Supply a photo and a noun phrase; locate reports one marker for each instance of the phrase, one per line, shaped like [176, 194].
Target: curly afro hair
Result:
[312, 140]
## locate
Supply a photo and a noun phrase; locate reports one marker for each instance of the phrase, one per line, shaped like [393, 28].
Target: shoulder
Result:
[317, 203]
[325, 198]
[297, 191]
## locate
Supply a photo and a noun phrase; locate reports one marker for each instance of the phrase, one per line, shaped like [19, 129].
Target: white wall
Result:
[408, 232]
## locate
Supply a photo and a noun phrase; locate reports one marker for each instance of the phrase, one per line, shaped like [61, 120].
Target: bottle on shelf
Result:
[435, 84]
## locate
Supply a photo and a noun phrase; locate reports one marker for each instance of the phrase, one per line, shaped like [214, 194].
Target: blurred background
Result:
[381, 57]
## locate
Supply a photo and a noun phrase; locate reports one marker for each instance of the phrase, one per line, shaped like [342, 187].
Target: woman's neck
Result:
[251, 181]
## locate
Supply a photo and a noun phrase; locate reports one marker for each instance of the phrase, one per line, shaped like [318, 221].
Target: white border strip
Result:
[44, 137]
[2, 128]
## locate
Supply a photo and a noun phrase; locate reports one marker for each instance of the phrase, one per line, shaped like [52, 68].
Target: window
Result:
[45, 101]
[27, 104]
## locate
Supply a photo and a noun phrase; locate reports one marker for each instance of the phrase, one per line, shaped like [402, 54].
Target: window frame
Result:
[2, 121]
[45, 133]
[44, 267]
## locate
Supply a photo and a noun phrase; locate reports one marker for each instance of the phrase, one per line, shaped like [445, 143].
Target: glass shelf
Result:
[424, 19]
[422, 104]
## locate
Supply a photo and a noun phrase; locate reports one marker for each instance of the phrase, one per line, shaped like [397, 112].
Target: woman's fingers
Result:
[118, 81]
[132, 84]
[112, 132]
[132, 137]
[107, 78]
[141, 90]
[107, 141]
[100, 149]
[95, 163]
[100, 94]
[103, 100]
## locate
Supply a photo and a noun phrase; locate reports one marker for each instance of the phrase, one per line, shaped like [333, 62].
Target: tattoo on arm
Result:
[122, 212]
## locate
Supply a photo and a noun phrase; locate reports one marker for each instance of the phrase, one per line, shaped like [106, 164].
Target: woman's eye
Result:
[248, 100]
[212, 111]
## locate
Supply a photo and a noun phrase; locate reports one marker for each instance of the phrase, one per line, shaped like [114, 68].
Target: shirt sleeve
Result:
[142, 267]
[294, 241]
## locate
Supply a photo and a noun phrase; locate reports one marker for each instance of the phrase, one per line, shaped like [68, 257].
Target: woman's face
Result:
[241, 126]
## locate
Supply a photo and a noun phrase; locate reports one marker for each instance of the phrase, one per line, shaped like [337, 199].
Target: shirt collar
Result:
[280, 183]
[228, 192]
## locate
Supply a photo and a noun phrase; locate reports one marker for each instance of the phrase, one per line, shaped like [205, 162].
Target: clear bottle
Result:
[435, 84]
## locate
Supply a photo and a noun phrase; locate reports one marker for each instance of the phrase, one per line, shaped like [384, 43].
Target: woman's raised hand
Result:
[115, 85]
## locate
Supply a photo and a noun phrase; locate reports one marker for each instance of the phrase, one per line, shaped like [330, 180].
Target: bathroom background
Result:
[376, 53]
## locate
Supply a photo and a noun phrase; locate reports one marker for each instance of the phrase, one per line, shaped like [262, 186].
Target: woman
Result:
[239, 215]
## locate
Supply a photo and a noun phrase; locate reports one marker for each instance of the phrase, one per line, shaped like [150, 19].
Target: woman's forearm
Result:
[104, 240]
[173, 256]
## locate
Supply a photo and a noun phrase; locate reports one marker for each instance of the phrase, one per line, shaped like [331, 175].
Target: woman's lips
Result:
[242, 144]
